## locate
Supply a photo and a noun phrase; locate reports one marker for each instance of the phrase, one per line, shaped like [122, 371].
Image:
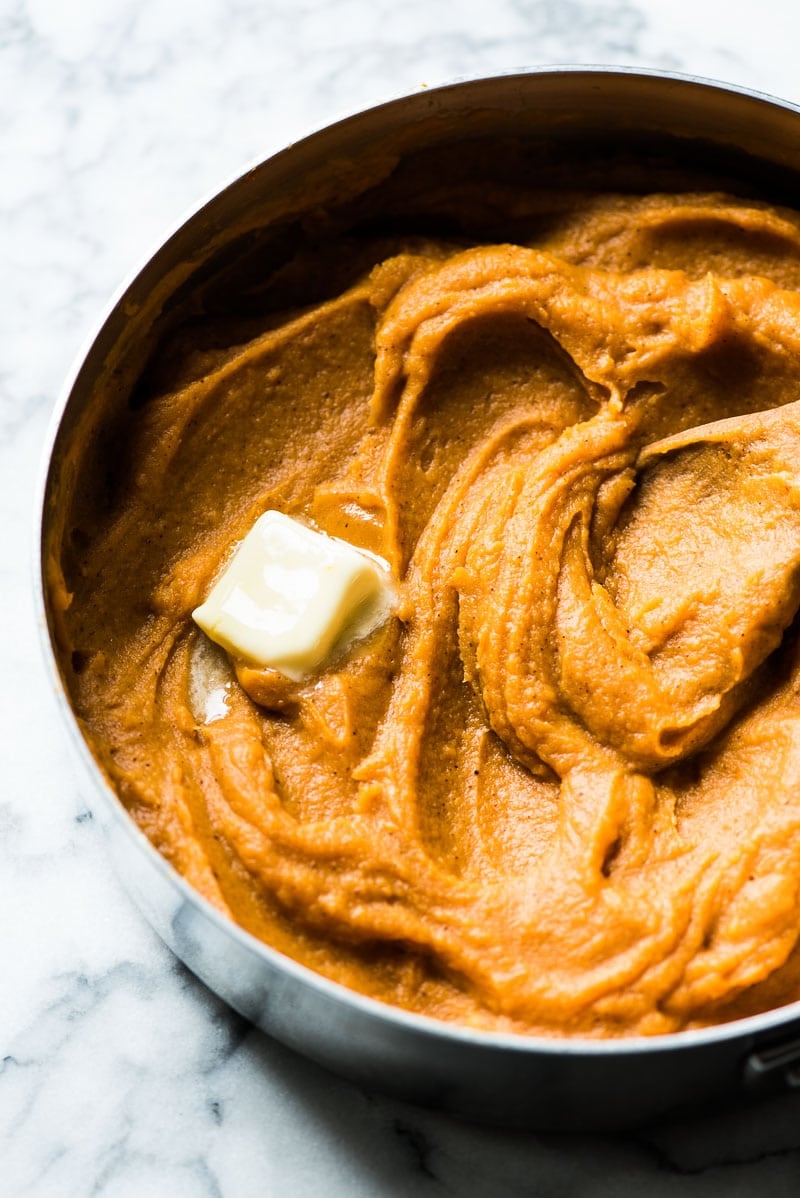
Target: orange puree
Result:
[559, 790]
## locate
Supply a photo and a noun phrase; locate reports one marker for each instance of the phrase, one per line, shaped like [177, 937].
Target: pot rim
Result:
[519, 1043]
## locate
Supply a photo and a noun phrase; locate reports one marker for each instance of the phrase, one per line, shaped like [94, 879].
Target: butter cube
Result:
[290, 594]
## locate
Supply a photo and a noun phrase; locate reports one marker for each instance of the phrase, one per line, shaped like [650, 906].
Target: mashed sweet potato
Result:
[559, 790]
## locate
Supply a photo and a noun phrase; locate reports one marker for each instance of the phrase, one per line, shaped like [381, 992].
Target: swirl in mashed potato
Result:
[559, 790]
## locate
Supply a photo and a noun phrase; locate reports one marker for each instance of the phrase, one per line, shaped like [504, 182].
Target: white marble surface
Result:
[120, 1075]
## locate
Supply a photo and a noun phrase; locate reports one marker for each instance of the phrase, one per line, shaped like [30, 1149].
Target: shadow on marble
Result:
[394, 1149]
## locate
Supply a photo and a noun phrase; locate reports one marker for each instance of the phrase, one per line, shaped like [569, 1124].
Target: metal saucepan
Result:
[551, 117]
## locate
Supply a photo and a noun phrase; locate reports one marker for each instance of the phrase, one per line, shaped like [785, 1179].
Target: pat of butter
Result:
[290, 595]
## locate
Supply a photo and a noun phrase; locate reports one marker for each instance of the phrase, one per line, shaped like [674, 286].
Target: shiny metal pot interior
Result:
[514, 1080]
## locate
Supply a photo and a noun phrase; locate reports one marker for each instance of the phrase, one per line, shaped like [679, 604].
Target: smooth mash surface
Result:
[559, 791]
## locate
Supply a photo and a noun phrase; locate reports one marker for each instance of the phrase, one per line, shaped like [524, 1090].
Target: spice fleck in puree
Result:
[557, 790]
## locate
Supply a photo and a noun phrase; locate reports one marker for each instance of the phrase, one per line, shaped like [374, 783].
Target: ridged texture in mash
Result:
[559, 791]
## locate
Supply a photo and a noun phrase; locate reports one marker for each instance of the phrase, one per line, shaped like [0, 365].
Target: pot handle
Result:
[769, 1066]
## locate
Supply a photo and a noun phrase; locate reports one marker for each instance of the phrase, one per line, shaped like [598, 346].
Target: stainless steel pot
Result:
[557, 115]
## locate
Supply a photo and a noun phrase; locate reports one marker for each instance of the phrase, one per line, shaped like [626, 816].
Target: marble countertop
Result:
[120, 1075]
